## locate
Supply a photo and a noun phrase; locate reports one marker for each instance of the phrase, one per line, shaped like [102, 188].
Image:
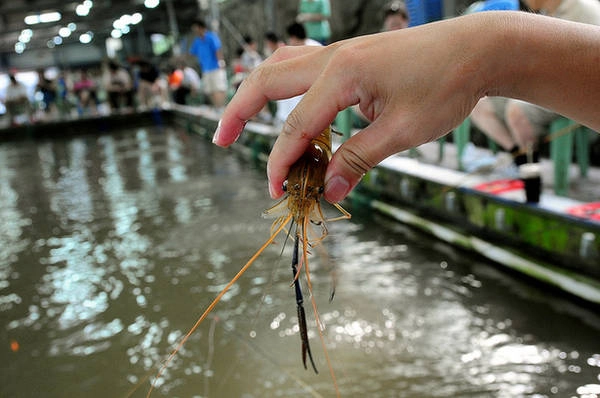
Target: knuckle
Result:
[292, 127]
[259, 77]
[280, 54]
[356, 159]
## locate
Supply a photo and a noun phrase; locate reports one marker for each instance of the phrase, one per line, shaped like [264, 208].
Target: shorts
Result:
[215, 80]
[539, 117]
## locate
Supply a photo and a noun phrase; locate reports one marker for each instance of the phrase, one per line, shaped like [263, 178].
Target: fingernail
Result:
[216, 134]
[336, 188]
[272, 191]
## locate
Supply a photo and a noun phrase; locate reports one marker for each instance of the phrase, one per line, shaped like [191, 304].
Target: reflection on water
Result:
[111, 246]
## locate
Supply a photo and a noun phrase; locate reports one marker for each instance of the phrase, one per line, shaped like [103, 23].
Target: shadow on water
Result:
[112, 246]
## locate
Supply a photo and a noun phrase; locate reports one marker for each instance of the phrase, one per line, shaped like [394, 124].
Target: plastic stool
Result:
[461, 136]
[561, 151]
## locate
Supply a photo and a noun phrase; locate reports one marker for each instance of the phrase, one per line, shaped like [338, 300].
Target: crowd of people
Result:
[89, 91]
[200, 75]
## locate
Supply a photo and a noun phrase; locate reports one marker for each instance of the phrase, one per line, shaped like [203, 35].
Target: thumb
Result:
[359, 154]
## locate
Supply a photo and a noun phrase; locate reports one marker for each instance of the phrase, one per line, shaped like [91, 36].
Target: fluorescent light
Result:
[52, 16]
[57, 40]
[116, 33]
[72, 26]
[32, 19]
[19, 47]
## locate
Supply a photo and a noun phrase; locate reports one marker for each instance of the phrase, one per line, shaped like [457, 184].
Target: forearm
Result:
[546, 61]
[313, 17]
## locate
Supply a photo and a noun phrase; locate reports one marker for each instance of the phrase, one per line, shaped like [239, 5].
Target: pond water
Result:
[111, 246]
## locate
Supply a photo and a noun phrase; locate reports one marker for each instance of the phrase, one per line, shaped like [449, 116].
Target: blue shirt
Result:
[205, 49]
[499, 5]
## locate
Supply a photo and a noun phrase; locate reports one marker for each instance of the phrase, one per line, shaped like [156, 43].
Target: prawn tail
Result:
[316, 312]
[301, 313]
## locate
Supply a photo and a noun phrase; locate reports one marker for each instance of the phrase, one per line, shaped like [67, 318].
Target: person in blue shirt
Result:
[493, 5]
[206, 47]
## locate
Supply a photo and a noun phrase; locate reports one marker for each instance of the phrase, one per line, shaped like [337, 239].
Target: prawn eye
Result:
[321, 189]
[284, 186]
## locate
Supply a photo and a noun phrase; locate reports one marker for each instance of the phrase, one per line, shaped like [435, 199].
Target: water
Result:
[111, 247]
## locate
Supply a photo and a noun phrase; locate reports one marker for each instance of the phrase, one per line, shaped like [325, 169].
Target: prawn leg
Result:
[213, 304]
[300, 308]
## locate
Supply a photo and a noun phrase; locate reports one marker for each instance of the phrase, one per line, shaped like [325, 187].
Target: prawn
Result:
[301, 210]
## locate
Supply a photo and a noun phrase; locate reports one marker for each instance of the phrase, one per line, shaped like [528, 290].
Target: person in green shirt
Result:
[314, 15]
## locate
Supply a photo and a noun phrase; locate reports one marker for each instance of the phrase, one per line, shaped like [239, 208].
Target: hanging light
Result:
[136, 18]
[19, 47]
[82, 10]
[151, 3]
[46, 17]
[64, 32]
[86, 37]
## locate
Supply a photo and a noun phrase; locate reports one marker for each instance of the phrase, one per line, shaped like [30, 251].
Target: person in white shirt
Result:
[18, 107]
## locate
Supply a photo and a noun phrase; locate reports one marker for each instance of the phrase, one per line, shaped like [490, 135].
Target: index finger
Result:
[330, 93]
[285, 74]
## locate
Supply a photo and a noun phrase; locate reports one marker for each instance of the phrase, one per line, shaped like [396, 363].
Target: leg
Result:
[488, 117]
[218, 99]
[522, 127]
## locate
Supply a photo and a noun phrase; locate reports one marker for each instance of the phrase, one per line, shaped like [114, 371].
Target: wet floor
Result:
[111, 247]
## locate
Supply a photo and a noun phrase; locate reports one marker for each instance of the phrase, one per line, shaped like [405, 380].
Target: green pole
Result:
[343, 123]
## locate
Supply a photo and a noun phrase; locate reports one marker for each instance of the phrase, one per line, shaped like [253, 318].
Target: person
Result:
[206, 46]
[314, 16]
[184, 82]
[515, 124]
[18, 107]
[119, 86]
[85, 91]
[416, 85]
[272, 43]
[47, 87]
[147, 88]
[250, 58]
[494, 5]
[297, 36]
[395, 16]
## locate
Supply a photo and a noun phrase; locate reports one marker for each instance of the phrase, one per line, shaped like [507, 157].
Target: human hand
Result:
[414, 84]
[301, 18]
[411, 96]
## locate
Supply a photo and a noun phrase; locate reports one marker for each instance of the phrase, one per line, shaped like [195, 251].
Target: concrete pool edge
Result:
[541, 242]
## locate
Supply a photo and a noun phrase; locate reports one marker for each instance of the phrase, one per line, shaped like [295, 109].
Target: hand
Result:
[301, 18]
[408, 93]
[415, 85]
